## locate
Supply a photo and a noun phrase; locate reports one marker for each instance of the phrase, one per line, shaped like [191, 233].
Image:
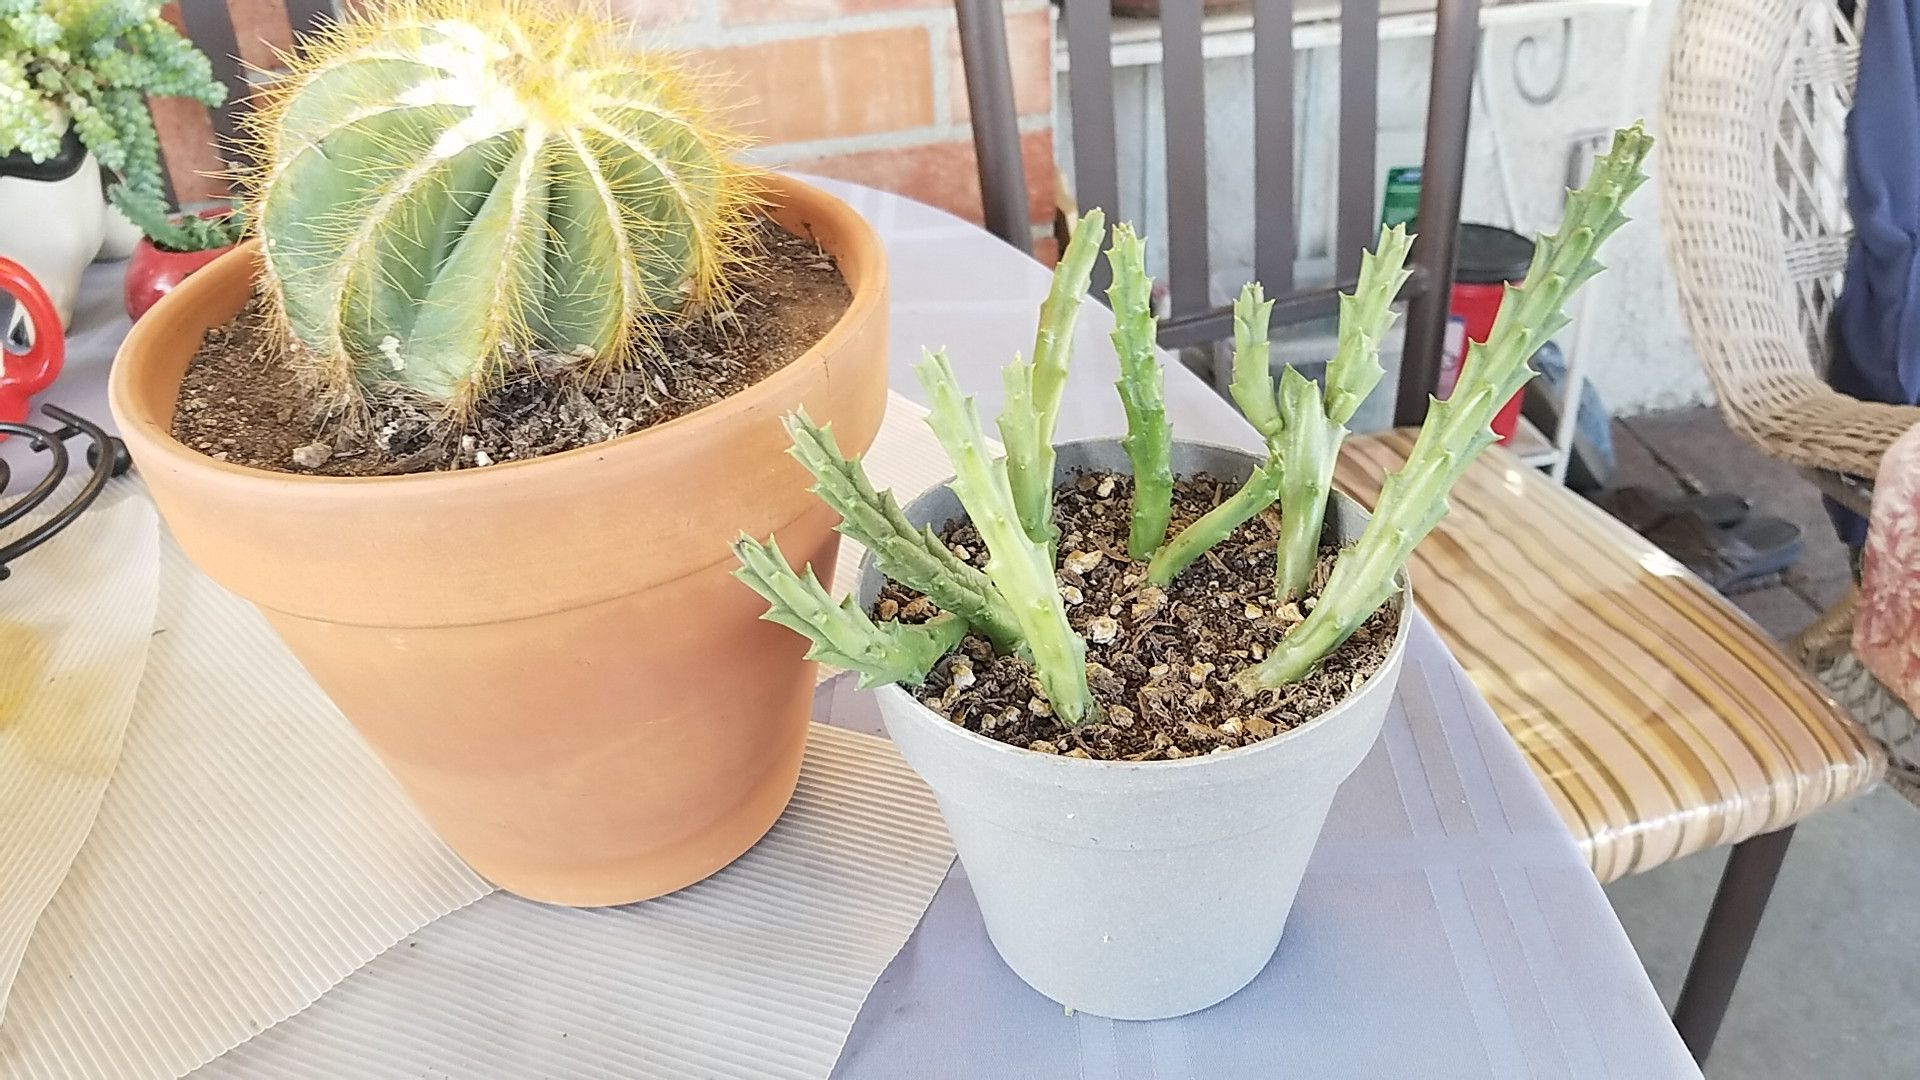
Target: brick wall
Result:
[864, 90]
[868, 90]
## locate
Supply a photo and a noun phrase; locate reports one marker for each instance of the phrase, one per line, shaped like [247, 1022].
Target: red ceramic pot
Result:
[153, 272]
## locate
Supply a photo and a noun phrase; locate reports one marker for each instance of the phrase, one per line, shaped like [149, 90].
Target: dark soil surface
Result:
[1162, 661]
[240, 402]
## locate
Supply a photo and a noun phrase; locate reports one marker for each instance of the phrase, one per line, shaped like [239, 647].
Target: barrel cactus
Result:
[447, 185]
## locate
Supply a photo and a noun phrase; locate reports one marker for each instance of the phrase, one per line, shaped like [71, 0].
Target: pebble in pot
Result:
[1136, 790]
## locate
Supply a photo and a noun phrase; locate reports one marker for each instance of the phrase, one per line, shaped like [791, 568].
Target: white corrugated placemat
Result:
[755, 974]
[75, 618]
[249, 853]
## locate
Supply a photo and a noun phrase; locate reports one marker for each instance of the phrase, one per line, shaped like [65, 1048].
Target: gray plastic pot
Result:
[1137, 890]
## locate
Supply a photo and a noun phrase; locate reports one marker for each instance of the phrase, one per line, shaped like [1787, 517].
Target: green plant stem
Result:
[913, 557]
[1017, 563]
[185, 233]
[1309, 449]
[1034, 386]
[1149, 442]
[1365, 316]
[1258, 493]
[1315, 426]
[842, 634]
[1414, 499]
[1252, 377]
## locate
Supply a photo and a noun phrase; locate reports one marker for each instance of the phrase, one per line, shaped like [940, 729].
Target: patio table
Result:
[1448, 925]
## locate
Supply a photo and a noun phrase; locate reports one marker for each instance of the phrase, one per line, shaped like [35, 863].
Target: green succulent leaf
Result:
[1018, 564]
[842, 634]
[92, 64]
[913, 557]
[1149, 441]
[1414, 499]
[1034, 386]
[1315, 425]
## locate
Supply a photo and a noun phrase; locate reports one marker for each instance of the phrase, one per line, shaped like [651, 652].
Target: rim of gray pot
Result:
[1244, 463]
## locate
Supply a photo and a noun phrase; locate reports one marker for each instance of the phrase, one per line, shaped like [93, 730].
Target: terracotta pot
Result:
[153, 273]
[552, 655]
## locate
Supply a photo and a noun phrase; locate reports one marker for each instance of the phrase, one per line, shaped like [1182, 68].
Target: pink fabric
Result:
[1886, 633]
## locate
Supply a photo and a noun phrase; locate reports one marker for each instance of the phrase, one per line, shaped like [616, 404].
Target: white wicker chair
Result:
[1753, 193]
[1753, 196]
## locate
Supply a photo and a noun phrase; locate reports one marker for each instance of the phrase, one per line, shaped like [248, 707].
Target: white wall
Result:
[1639, 357]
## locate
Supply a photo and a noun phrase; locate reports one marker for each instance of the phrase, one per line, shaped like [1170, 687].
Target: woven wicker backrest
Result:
[1753, 194]
[1754, 189]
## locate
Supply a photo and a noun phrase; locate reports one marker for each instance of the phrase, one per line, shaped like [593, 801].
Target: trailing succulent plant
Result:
[91, 65]
[446, 185]
[1016, 602]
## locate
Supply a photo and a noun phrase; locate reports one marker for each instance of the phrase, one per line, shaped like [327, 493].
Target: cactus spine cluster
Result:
[447, 184]
[1302, 426]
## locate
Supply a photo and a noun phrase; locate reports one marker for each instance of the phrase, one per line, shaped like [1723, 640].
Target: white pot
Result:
[1138, 890]
[54, 228]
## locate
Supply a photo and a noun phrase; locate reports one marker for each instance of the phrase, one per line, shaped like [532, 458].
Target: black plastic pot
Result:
[73, 154]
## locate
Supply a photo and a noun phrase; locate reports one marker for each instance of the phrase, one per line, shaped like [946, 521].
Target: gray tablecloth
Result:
[1447, 928]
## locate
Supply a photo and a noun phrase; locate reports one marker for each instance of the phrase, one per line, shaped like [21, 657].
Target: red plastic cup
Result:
[1488, 259]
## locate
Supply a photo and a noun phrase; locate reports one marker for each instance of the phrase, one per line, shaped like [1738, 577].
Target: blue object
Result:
[1592, 422]
[1877, 318]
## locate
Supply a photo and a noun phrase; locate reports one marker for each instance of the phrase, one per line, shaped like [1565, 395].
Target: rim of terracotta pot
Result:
[154, 439]
[980, 743]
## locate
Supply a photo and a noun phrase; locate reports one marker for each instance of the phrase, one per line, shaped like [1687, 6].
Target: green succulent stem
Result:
[1252, 377]
[1414, 499]
[1149, 441]
[1366, 314]
[1034, 386]
[1309, 448]
[1315, 425]
[913, 557]
[1258, 493]
[841, 633]
[1018, 564]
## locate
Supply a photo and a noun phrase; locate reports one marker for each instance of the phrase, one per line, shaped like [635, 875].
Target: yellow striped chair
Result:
[1660, 719]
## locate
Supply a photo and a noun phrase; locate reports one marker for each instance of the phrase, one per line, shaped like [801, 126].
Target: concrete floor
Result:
[1832, 988]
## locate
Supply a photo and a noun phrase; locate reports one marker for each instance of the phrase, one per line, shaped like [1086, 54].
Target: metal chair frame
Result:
[1193, 318]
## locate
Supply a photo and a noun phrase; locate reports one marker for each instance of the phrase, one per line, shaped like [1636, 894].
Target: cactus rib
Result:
[1034, 386]
[1149, 442]
[913, 557]
[1414, 499]
[1017, 563]
[842, 634]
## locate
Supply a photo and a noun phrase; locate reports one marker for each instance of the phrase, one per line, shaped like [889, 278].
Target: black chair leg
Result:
[1737, 907]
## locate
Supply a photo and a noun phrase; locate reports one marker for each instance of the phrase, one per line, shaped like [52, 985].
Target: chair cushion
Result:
[1661, 720]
